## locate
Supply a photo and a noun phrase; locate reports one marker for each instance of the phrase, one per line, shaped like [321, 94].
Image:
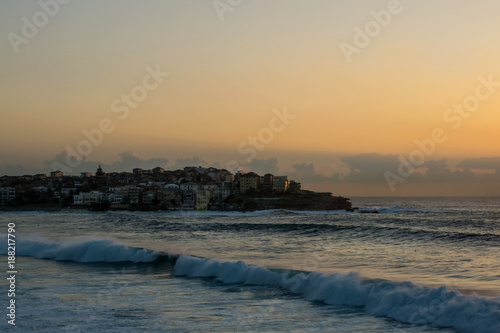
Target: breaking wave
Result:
[403, 301]
[87, 251]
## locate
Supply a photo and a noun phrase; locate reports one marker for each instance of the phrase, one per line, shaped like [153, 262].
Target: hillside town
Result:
[191, 188]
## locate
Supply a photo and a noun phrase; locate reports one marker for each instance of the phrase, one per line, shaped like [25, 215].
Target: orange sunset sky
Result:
[356, 85]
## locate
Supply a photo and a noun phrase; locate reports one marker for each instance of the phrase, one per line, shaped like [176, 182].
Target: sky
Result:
[357, 98]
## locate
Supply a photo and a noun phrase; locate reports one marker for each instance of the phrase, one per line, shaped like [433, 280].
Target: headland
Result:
[191, 188]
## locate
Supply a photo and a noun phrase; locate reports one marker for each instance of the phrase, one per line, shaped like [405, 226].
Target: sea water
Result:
[417, 265]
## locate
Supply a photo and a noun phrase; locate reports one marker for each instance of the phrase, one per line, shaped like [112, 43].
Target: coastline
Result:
[301, 200]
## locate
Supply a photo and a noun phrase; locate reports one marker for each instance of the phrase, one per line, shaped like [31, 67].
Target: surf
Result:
[403, 301]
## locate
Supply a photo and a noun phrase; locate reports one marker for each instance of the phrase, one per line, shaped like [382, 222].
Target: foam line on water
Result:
[403, 301]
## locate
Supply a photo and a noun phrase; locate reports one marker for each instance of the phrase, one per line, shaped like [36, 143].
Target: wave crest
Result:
[87, 251]
[403, 301]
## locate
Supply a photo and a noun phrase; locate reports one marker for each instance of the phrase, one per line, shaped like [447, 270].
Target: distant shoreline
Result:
[300, 201]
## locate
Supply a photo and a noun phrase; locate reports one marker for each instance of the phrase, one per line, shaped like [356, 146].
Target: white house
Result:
[87, 198]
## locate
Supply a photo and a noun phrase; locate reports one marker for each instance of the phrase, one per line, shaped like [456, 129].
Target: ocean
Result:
[417, 265]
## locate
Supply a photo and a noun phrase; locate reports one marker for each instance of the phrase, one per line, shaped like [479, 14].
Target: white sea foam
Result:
[221, 213]
[87, 250]
[402, 301]
[399, 209]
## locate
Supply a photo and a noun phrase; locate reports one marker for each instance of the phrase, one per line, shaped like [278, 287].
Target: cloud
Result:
[17, 170]
[483, 163]
[129, 160]
[263, 166]
[306, 172]
[363, 168]
[180, 163]
[369, 167]
[77, 166]
[439, 171]
[354, 170]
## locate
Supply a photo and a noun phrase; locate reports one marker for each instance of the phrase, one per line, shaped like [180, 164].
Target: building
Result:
[170, 197]
[68, 190]
[221, 193]
[137, 171]
[202, 199]
[99, 172]
[210, 187]
[133, 195]
[148, 197]
[294, 186]
[130, 194]
[115, 189]
[125, 177]
[56, 174]
[7, 194]
[190, 186]
[229, 178]
[115, 199]
[105, 197]
[237, 176]
[78, 199]
[267, 182]
[87, 198]
[281, 183]
[93, 197]
[188, 200]
[190, 172]
[201, 170]
[249, 181]
[213, 173]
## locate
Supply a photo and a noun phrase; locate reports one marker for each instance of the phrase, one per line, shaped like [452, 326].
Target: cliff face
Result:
[303, 200]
